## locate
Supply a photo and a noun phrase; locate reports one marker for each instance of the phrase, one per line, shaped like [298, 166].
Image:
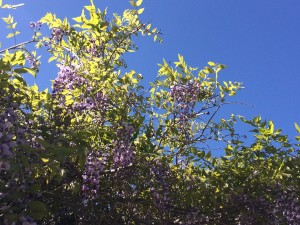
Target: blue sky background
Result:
[259, 41]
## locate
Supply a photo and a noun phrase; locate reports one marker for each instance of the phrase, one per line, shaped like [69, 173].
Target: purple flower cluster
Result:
[57, 34]
[95, 164]
[33, 62]
[284, 209]
[23, 220]
[7, 138]
[185, 97]
[287, 204]
[192, 218]
[161, 187]
[26, 220]
[248, 209]
[35, 25]
[123, 150]
[97, 161]
[10, 131]
[93, 49]
[69, 79]
[13, 134]
[98, 102]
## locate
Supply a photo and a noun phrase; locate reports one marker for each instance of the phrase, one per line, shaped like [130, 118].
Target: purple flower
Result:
[33, 62]
[36, 25]
[185, 97]
[91, 178]
[57, 34]
[4, 166]
[123, 150]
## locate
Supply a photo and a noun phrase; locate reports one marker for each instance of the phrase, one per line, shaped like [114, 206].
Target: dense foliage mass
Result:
[100, 149]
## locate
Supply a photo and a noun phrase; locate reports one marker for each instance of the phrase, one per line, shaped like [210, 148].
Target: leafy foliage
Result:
[99, 149]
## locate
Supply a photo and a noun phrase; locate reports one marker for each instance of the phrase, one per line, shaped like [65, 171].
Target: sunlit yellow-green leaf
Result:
[26, 70]
[10, 35]
[140, 11]
[211, 63]
[297, 127]
[138, 3]
[45, 160]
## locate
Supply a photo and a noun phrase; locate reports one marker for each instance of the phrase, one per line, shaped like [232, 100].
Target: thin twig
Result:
[217, 109]
[18, 45]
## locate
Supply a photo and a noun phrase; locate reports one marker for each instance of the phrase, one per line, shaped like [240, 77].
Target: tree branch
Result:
[17, 45]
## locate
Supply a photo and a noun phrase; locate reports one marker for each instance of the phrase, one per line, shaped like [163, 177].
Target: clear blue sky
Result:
[259, 41]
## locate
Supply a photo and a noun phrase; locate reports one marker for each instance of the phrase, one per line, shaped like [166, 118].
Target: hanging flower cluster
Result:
[11, 132]
[94, 50]
[69, 79]
[94, 166]
[14, 134]
[123, 149]
[185, 97]
[57, 34]
[160, 186]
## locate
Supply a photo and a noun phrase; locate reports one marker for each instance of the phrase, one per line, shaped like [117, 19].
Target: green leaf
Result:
[138, 3]
[4, 66]
[211, 63]
[297, 127]
[78, 19]
[13, 26]
[271, 127]
[10, 35]
[69, 100]
[140, 11]
[133, 3]
[25, 70]
[8, 20]
[38, 209]
[45, 160]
